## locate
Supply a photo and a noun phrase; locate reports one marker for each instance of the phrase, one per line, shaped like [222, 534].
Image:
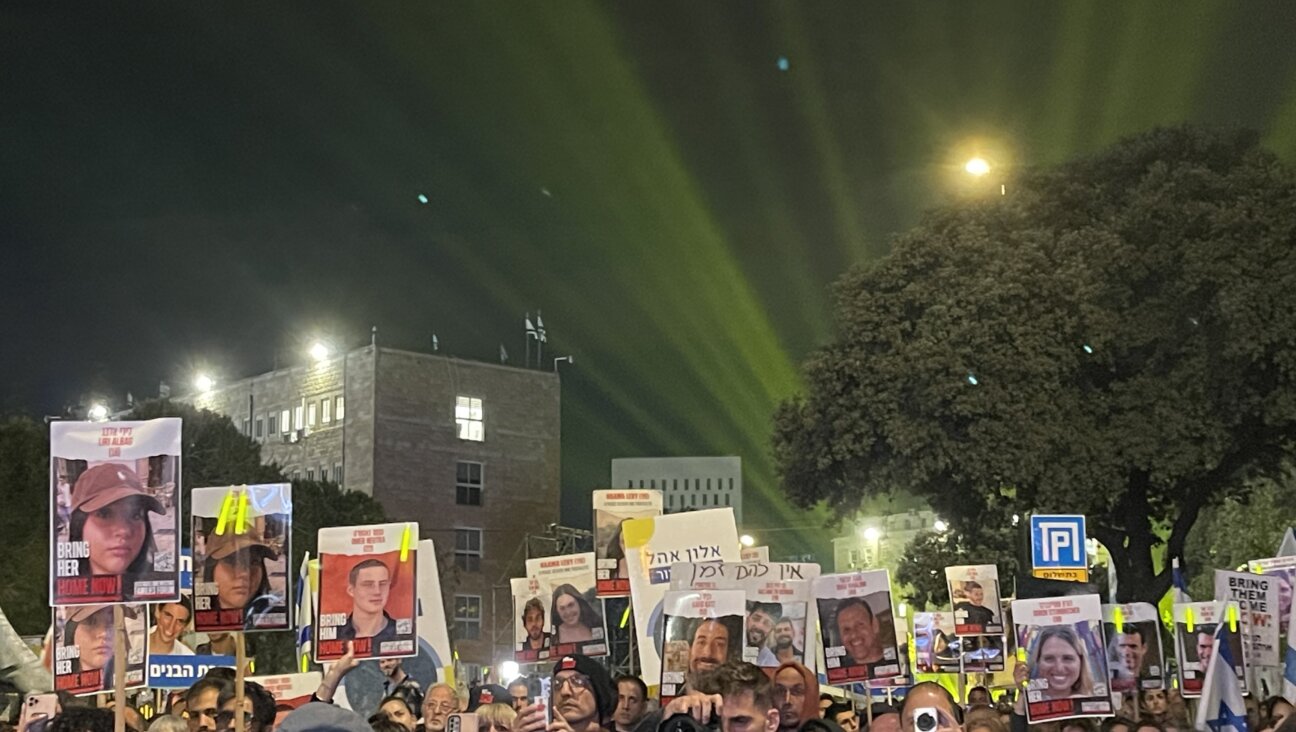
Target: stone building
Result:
[470, 450]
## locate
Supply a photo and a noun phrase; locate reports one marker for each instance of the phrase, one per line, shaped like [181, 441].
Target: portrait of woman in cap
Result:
[236, 564]
[110, 511]
[90, 629]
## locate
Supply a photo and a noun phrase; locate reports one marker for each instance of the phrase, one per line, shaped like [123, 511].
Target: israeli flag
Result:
[1221, 708]
[305, 603]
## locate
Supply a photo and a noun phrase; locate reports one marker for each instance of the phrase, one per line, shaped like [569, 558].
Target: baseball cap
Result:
[605, 695]
[323, 717]
[106, 483]
[82, 613]
[220, 546]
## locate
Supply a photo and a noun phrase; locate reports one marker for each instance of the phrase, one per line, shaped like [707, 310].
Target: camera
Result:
[926, 719]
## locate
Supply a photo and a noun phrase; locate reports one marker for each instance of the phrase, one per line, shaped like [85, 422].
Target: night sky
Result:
[210, 186]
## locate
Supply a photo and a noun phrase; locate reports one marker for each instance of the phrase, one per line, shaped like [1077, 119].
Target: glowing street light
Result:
[872, 534]
[319, 351]
[977, 167]
[509, 670]
[97, 413]
[747, 540]
[203, 383]
[940, 526]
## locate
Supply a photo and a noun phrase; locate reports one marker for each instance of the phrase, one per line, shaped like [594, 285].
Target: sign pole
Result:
[119, 669]
[240, 668]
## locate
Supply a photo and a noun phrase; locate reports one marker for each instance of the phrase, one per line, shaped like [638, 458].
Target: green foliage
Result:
[1113, 338]
[1240, 529]
[922, 569]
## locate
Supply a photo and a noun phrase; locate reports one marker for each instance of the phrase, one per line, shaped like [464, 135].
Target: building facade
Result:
[469, 450]
[687, 483]
[879, 542]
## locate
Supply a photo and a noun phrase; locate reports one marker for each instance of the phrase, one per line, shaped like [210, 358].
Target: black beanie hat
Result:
[605, 695]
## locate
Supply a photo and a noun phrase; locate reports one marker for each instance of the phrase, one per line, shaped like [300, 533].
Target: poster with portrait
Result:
[1194, 631]
[575, 611]
[241, 545]
[656, 543]
[779, 614]
[611, 509]
[532, 633]
[368, 591]
[974, 595]
[114, 512]
[857, 626]
[938, 650]
[1135, 661]
[85, 651]
[1066, 657]
[703, 631]
[1283, 569]
[1257, 598]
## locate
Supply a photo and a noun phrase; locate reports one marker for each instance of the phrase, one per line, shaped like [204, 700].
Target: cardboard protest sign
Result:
[1065, 657]
[575, 613]
[85, 651]
[704, 630]
[1283, 569]
[368, 591]
[974, 595]
[611, 509]
[754, 554]
[289, 691]
[938, 650]
[1134, 656]
[532, 638]
[779, 614]
[1195, 624]
[241, 544]
[857, 626]
[1257, 598]
[653, 544]
[115, 512]
[173, 661]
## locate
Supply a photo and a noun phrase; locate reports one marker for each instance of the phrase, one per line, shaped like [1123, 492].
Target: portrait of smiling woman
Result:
[1059, 658]
[574, 619]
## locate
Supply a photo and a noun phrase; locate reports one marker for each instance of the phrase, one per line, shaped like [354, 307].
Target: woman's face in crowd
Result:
[1059, 663]
[237, 577]
[568, 610]
[1154, 701]
[115, 534]
[93, 638]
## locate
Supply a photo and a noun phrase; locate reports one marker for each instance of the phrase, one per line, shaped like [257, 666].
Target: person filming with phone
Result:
[928, 707]
[582, 699]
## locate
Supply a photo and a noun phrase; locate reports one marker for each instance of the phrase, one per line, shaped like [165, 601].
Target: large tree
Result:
[1113, 337]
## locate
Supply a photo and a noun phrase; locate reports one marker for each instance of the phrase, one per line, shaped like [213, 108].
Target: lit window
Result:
[285, 422]
[468, 484]
[298, 417]
[468, 549]
[467, 617]
[310, 414]
[468, 416]
[339, 408]
[326, 410]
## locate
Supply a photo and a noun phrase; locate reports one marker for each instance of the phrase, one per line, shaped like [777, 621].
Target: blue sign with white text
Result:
[1058, 542]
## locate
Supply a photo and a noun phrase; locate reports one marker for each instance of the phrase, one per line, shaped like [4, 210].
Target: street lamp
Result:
[509, 670]
[319, 351]
[203, 383]
[940, 526]
[97, 413]
[747, 540]
[872, 534]
[977, 167]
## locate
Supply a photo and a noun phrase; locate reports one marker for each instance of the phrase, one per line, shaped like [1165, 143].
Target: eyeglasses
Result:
[441, 706]
[577, 683]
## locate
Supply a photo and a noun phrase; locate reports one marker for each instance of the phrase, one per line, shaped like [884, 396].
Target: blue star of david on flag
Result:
[1222, 708]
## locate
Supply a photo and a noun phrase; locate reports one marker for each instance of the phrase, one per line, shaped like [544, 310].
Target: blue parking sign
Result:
[1058, 542]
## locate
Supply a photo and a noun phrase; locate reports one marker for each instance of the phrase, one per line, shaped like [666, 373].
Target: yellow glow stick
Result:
[1232, 616]
[1120, 619]
[1188, 613]
[240, 525]
[625, 616]
[405, 542]
[227, 506]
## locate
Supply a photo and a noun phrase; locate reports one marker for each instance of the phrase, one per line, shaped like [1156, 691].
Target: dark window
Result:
[468, 549]
[468, 483]
[467, 617]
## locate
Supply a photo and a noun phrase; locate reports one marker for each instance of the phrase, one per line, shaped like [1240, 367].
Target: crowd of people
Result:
[583, 697]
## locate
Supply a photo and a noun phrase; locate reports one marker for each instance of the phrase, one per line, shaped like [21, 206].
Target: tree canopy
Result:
[1113, 337]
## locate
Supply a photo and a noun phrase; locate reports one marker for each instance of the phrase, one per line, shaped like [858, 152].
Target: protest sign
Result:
[241, 544]
[655, 543]
[1065, 657]
[575, 613]
[85, 652]
[704, 629]
[532, 639]
[938, 650]
[115, 512]
[1195, 624]
[1282, 569]
[289, 691]
[857, 626]
[777, 594]
[611, 509]
[754, 554]
[368, 591]
[1134, 656]
[1257, 598]
[974, 595]
[172, 660]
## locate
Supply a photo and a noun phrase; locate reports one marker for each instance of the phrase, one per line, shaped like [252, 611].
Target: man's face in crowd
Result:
[202, 715]
[371, 589]
[759, 625]
[740, 714]
[398, 712]
[783, 634]
[520, 696]
[439, 704]
[388, 666]
[859, 631]
[534, 622]
[978, 697]
[789, 696]
[225, 720]
[927, 696]
[171, 620]
[1205, 647]
[848, 720]
[710, 646]
[823, 706]
[1131, 649]
[573, 698]
[630, 704]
